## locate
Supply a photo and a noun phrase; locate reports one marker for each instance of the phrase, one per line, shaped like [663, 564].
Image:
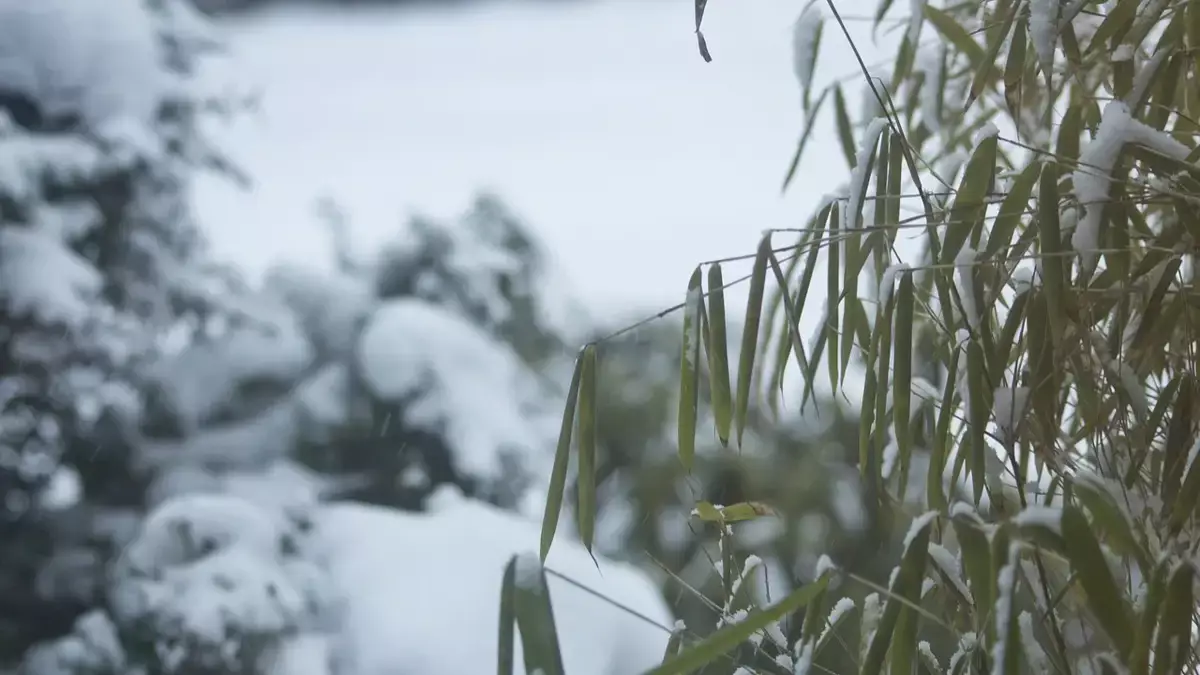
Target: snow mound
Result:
[41, 277]
[422, 593]
[98, 59]
[329, 307]
[216, 583]
[452, 378]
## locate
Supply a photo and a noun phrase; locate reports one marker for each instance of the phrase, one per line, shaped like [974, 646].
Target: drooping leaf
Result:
[689, 379]
[758, 282]
[1104, 598]
[562, 457]
[535, 617]
[718, 355]
[906, 589]
[954, 33]
[586, 485]
[809, 125]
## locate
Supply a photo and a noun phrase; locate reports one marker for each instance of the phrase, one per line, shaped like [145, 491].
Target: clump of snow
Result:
[1009, 404]
[1005, 588]
[1097, 161]
[1040, 516]
[528, 572]
[804, 44]
[919, 523]
[1123, 52]
[212, 581]
[985, 132]
[452, 378]
[964, 263]
[859, 177]
[329, 307]
[1043, 31]
[443, 563]
[887, 284]
[92, 648]
[932, 63]
[201, 378]
[824, 564]
[42, 278]
[97, 59]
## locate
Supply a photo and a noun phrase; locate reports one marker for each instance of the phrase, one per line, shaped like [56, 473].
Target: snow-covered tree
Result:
[101, 108]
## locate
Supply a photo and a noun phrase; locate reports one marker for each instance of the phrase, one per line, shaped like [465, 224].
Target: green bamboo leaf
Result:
[758, 282]
[586, 484]
[954, 33]
[1008, 334]
[1007, 649]
[1014, 68]
[1156, 590]
[1050, 239]
[833, 293]
[905, 589]
[1110, 520]
[1153, 311]
[1150, 430]
[902, 385]
[718, 354]
[1104, 599]
[977, 416]
[793, 321]
[535, 617]
[977, 562]
[884, 6]
[809, 125]
[743, 511]
[562, 456]
[508, 620]
[970, 201]
[1193, 37]
[1186, 500]
[1067, 143]
[730, 636]
[983, 73]
[1173, 647]
[845, 135]
[935, 495]
[1116, 23]
[674, 643]
[689, 378]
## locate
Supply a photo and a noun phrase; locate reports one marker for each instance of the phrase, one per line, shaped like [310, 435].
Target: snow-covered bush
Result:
[214, 583]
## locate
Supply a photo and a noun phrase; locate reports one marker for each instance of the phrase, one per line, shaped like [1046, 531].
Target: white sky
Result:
[598, 122]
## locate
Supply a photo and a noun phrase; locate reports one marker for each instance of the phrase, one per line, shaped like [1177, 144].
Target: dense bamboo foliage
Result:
[1009, 281]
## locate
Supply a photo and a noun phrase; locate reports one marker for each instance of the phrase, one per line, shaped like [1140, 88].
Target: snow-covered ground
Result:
[597, 121]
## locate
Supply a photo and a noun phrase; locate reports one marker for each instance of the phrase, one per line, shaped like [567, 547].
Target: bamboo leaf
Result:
[953, 32]
[809, 125]
[718, 356]
[845, 135]
[902, 385]
[758, 282]
[1114, 26]
[1014, 68]
[1008, 633]
[983, 73]
[1053, 272]
[793, 321]
[730, 636]
[936, 497]
[977, 563]
[1110, 520]
[535, 617]
[586, 482]
[966, 215]
[978, 416]
[1173, 646]
[1104, 599]
[906, 588]
[689, 378]
[508, 620]
[562, 456]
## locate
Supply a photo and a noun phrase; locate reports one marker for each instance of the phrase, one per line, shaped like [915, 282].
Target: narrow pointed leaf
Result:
[955, 34]
[730, 636]
[902, 385]
[586, 485]
[758, 282]
[1104, 599]
[535, 618]
[718, 356]
[562, 457]
[689, 379]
